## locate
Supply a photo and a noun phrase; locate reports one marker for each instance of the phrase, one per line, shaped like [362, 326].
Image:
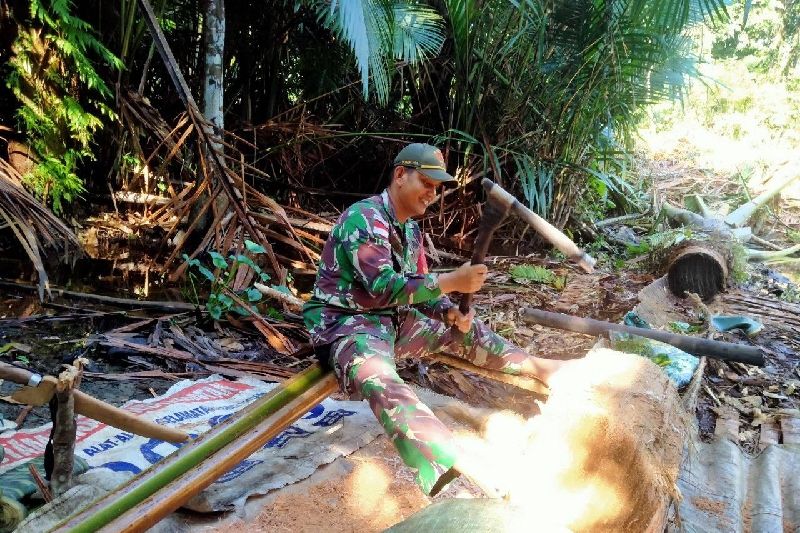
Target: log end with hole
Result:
[697, 268]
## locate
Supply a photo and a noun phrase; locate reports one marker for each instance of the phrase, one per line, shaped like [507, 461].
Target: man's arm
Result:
[373, 267]
[438, 307]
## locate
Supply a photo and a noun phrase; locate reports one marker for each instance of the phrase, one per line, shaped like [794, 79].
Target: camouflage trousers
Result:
[366, 369]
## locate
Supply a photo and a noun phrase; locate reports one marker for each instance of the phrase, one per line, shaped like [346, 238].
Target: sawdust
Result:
[603, 455]
[621, 426]
[709, 506]
[376, 493]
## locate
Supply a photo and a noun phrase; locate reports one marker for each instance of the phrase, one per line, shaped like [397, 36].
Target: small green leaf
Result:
[214, 311]
[246, 261]
[253, 295]
[253, 247]
[218, 260]
[225, 300]
[533, 273]
[206, 273]
[192, 262]
[264, 277]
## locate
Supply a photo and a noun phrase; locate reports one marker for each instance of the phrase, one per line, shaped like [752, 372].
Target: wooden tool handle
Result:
[493, 215]
[720, 350]
[499, 196]
[17, 375]
[114, 416]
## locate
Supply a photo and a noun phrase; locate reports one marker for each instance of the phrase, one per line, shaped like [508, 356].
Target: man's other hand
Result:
[461, 321]
[465, 279]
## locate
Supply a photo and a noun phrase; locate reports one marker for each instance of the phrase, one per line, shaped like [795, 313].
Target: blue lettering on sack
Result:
[107, 444]
[292, 432]
[154, 450]
[315, 411]
[216, 420]
[332, 417]
[122, 466]
[237, 470]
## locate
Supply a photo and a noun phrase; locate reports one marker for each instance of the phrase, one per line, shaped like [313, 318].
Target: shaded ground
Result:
[48, 337]
[126, 344]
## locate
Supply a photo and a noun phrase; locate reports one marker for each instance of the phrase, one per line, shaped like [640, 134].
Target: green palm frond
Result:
[541, 82]
[536, 180]
[418, 32]
[379, 31]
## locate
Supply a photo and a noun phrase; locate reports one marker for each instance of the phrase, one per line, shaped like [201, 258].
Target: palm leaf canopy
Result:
[381, 31]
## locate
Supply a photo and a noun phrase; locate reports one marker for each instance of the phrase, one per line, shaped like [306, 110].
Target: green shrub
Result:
[61, 96]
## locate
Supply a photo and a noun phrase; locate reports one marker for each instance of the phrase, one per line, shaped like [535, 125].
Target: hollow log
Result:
[701, 267]
[603, 455]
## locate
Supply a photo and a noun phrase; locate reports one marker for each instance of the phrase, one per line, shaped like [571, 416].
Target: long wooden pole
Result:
[527, 383]
[102, 511]
[720, 350]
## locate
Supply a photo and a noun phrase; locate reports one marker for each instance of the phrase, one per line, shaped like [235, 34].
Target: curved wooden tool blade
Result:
[494, 212]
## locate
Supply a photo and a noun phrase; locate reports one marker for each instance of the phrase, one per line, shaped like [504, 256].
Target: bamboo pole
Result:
[743, 213]
[751, 355]
[102, 511]
[766, 255]
[171, 497]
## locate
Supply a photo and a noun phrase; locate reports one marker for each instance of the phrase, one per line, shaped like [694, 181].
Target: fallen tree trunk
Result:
[744, 212]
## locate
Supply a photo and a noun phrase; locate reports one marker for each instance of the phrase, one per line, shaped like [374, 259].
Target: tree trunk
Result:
[213, 86]
[213, 89]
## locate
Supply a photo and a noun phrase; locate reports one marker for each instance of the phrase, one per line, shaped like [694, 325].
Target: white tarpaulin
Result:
[329, 430]
[724, 489]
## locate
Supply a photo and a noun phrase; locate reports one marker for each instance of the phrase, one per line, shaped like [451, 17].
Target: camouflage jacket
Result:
[371, 266]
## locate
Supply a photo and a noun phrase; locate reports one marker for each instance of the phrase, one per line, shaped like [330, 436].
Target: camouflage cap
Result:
[426, 159]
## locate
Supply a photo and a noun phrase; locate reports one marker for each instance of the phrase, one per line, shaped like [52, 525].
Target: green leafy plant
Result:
[533, 273]
[61, 95]
[220, 301]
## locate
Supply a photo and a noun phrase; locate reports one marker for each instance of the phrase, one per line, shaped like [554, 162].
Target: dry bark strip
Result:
[170, 306]
[65, 429]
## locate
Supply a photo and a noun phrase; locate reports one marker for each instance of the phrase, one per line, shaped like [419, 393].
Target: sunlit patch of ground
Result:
[739, 125]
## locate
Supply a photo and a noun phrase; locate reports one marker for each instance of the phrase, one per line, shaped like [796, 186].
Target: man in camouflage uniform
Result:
[374, 298]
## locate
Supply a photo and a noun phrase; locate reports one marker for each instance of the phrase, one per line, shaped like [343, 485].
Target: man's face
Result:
[416, 191]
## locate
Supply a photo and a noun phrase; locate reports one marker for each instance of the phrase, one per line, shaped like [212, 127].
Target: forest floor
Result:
[138, 352]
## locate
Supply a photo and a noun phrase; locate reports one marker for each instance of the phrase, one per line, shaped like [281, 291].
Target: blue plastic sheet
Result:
[677, 364]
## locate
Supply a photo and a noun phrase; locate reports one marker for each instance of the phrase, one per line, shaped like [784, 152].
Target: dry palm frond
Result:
[34, 226]
[248, 212]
